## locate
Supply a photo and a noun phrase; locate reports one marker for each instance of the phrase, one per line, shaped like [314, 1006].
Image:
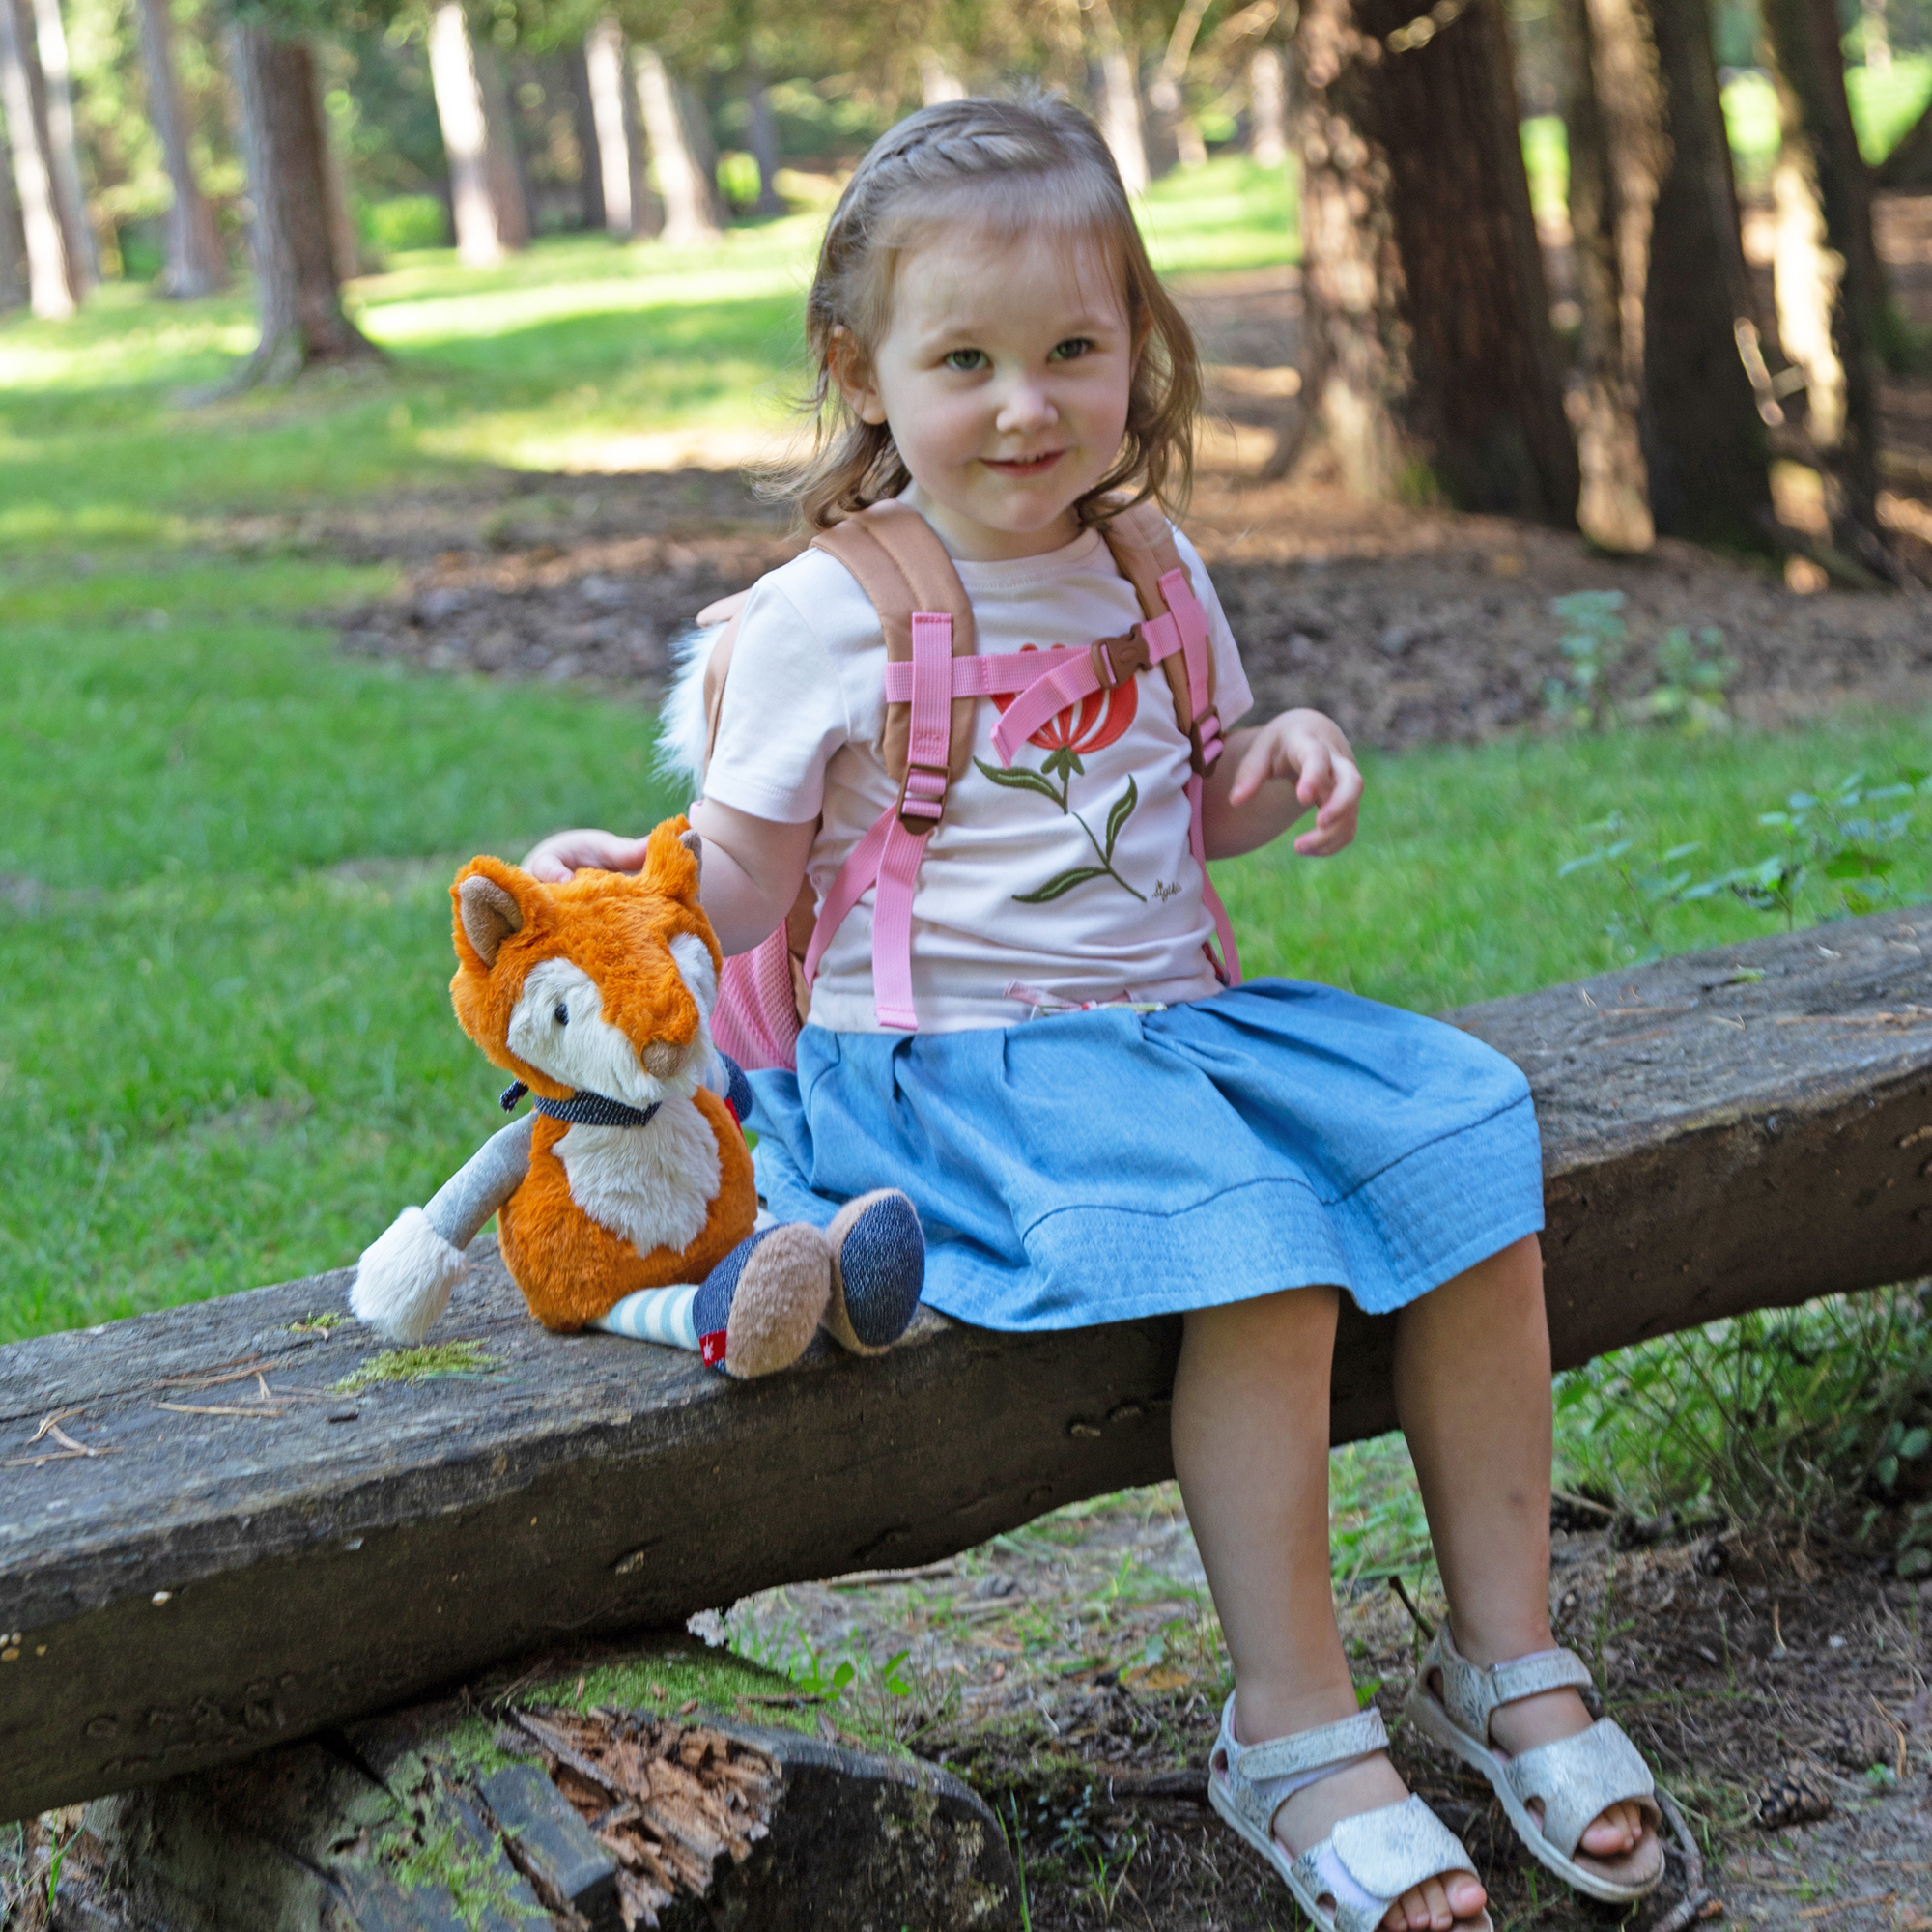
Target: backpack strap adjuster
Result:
[922, 797]
[1206, 743]
[1118, 659]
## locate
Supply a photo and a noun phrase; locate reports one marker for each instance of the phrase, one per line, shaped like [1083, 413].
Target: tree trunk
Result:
[764, 140]
[503, 164]
[343, 239]
[1422, 269]
[1119, 115]
[1878, 36]
[690, 193]
[1704, 443]
[52, 275]
[1179, 134]
[1268, 107]
[1615, 115]
[466, 139]
[590, 169]
[1831, 286]
[69, 191]
[13, 240]
[300, 293]
[619, 151]
[195, 261]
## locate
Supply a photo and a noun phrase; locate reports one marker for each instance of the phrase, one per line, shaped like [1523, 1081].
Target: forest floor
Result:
[1073, 1671]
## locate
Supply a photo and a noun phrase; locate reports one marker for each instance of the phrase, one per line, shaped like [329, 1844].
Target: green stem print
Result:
[1064, 764]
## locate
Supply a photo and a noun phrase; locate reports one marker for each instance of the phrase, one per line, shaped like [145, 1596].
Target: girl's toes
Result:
[1466, 1897]
[1613, 1834]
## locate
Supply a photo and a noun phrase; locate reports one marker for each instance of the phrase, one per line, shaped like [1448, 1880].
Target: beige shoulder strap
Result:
[1141, 542]
[903, 567]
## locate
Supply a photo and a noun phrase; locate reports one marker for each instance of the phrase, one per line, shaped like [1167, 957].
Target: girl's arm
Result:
[752, 868]
[1270, 775]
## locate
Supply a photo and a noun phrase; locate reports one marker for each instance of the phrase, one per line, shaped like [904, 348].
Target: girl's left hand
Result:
[1310, 750]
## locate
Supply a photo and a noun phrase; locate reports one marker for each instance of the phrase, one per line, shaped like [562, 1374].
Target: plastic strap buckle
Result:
[1207, 743]
[1116, 659]
[922, 797]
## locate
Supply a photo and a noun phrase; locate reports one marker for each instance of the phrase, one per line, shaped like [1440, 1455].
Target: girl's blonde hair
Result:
[1015, 165]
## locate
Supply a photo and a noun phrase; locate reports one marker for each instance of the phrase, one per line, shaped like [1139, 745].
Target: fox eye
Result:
[561, 1015]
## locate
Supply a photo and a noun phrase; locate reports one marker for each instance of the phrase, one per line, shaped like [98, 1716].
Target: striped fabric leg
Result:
[655, 1315]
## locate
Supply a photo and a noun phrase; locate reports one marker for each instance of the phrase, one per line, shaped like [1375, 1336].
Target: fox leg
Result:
[753, 1314]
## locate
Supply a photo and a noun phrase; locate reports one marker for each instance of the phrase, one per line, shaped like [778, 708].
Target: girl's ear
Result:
[852, 370]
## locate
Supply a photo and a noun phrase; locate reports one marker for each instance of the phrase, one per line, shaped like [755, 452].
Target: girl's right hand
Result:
[563, 853]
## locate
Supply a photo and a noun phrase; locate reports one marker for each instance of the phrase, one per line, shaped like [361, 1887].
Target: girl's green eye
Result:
[1074, 346]
[966, 361]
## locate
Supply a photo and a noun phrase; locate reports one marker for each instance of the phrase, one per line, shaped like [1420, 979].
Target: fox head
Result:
[603, 986]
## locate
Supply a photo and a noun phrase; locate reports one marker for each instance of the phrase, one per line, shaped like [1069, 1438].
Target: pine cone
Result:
[1796, 1795]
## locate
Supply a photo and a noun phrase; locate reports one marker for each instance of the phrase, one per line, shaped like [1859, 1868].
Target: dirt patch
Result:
[1073, 1671]
[1409, 625]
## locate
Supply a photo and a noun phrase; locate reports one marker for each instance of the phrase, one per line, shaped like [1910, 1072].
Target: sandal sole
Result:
[1428, 1714]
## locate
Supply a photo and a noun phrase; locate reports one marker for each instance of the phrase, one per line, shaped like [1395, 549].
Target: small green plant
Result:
[1850, 833]
[1693, 674]
[1692, 677]
[1652, 875]
[1593, 644]
[1774, 1416]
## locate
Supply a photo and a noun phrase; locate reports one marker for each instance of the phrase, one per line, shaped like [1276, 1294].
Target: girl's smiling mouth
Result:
[1024, 466]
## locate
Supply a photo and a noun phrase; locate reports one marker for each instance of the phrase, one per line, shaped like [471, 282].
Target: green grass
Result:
[559, 360]
[1451, 894]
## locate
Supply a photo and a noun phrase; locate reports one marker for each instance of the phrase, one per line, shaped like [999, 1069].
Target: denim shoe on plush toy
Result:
[859, 1279]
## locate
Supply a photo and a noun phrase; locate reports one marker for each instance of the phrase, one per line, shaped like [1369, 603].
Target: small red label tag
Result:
[712, 1347]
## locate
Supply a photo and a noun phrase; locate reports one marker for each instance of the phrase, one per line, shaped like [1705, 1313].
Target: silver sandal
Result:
[1368, 1862]
[1574, 1778]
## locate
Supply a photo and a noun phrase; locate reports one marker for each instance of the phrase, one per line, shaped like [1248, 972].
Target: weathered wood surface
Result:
[202, 1584]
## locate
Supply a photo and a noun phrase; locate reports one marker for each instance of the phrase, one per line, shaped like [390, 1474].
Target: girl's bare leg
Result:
[1251, 1448]
[1483, 1469]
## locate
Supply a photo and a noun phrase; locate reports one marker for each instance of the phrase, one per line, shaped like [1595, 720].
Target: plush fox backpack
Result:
[933, 678]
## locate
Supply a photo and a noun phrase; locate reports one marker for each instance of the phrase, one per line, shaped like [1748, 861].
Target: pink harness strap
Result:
[887, 857]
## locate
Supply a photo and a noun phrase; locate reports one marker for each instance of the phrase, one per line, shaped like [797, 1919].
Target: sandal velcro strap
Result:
[1386, 1852]
[1471, 1691]
[1578, 1779]
[1334, 1744]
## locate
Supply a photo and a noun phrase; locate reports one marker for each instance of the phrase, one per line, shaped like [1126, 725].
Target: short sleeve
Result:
[782, 714]
[1233, 698]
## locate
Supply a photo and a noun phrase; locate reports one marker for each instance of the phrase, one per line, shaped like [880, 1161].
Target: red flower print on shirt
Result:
[1089, 726]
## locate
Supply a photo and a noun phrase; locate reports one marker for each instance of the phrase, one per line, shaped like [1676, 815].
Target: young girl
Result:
[1092, 1125]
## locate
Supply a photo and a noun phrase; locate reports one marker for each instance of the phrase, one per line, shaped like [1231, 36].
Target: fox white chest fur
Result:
[651, 1186]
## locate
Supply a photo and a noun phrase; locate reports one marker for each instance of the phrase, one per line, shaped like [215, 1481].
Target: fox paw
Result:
[878, 1271]
[760, 1306]
[404, 1278]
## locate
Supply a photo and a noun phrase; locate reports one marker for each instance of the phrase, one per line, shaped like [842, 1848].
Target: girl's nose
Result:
[1024, 408]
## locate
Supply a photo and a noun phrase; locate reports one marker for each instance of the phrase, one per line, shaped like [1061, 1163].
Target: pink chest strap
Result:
[1047, 683]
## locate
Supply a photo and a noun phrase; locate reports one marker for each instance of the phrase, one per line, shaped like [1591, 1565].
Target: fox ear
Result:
[490, 914]
[671, 861]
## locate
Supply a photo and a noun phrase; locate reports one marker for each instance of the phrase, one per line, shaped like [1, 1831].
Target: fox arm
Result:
[404, 1278]
[467, 1200]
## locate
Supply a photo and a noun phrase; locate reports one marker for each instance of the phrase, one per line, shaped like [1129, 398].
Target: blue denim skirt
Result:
[1098, 1166]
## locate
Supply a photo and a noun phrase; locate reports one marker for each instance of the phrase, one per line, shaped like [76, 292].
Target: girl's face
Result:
[1005, 375]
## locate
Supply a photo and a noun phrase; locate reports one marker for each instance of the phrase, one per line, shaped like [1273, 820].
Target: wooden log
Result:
[207, 1547]
[530, 1804]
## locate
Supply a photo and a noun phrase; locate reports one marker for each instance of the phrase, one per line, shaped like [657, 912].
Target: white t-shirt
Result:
[1079, 886]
